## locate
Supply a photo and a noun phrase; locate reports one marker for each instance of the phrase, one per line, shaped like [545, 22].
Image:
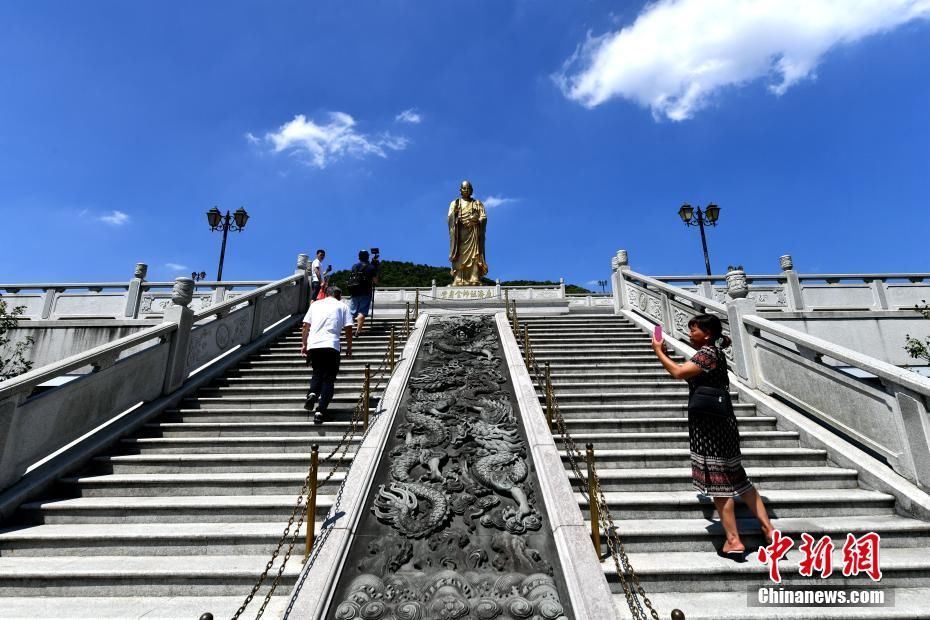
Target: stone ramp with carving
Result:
[182, 518]
[614, 393]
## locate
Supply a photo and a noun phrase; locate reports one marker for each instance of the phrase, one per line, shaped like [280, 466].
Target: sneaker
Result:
[311, 401]
[318, 417]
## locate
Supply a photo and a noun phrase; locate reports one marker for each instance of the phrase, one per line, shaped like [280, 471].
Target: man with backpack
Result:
[360, 281]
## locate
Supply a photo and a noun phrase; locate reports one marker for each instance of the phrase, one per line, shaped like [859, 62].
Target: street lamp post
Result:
[603, 285]
[226, 222]
[198, 276]
[708, 216]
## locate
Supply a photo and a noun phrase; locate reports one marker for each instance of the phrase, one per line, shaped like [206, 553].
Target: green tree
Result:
[919, 349]
[15, 363]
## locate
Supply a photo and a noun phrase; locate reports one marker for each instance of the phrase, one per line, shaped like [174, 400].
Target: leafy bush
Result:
[919, 349]
[16, 364]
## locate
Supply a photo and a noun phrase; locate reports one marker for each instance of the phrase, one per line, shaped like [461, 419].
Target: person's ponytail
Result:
[724, 342]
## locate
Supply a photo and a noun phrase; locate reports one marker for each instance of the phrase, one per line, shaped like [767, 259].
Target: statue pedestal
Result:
[392, 302]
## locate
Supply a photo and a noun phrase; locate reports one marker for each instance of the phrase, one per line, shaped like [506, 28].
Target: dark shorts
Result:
[359, 305]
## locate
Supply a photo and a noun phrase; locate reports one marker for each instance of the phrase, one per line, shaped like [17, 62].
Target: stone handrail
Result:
[881, 407]
[134, 369]
[857, 277]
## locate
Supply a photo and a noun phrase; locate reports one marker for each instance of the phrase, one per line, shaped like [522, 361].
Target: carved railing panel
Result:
[215, 338]
[457, 528]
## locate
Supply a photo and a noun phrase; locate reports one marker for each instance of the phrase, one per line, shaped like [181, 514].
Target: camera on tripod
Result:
[375, 256]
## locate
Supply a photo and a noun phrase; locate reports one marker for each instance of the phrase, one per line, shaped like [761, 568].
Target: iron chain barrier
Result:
[311, 483]
[588, 485]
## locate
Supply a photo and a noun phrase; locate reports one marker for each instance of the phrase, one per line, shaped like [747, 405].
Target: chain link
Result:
[342, 447]
[632, 589]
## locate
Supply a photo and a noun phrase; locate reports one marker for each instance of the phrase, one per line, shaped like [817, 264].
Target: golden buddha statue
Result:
[467, 223]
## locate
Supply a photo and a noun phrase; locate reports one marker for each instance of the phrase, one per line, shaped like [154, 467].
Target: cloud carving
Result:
[678, 54]
[321, 143]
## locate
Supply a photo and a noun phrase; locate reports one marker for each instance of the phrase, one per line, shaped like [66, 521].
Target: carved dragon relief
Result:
[460, 504]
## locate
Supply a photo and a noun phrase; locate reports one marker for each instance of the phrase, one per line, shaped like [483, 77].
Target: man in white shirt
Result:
[320, 344]
[316, 274]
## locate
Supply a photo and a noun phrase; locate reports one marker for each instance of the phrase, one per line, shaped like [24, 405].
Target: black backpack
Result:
[358, 281]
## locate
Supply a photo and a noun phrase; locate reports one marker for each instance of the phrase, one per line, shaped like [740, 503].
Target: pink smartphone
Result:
[658, 333]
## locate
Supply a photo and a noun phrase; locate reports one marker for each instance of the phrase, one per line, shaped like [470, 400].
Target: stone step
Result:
[294, 412]
[697, 571]
[607, 394]
[909, 604]
[288, 444]
[343, 388]
[296, 362]
[678, 439]
[151, 485]
[569, 356]
[670, 535]
[359, 356]
[574, 385]
[136, 607]
[557, 339]
[662, 424]
[633, 348]
[572, 411]
[247, 429]
[123, 575]
[774, 478]
[681, 457]
[275, 462]
[173, 509]
[146, 539]
[780, 503]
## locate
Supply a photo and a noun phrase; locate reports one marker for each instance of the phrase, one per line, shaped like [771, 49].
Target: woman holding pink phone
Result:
[716, 460]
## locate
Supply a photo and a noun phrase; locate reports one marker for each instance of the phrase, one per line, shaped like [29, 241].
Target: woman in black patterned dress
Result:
[716, 461]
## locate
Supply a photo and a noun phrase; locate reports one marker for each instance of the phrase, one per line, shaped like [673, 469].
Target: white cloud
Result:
[114, 218]
[497, 201]
[176, 266]
[409, 116]
[679, 53]
[252, 138]
[324, 143]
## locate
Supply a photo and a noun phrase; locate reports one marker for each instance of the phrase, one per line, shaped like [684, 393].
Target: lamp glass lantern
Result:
[242, 216]
[713, 212]
[686, 212]
[213, 217]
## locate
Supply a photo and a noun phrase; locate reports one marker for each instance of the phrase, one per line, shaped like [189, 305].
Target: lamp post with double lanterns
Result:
[708, 216]
[218, 221]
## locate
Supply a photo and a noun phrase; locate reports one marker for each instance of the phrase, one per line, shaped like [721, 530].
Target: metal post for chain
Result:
[592, 501]
[516, 324]
[526, 345]
[391, 351]
[507, 302]
[549, 396]
[416, 305]
[311, 500]
[407, 321]
[366, 396]
[678, 614]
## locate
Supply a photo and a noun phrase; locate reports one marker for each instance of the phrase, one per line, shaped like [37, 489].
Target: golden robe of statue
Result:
[467, 223]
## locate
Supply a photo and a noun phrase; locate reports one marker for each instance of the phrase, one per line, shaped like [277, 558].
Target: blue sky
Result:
[350, 124]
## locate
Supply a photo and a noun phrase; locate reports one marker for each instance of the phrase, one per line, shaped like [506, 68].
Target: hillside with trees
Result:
[402, 273]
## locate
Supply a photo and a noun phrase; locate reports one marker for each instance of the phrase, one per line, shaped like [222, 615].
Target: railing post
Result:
[303, 295]
[134, 294]
[879, 297]
[743, 354]
[619, 264]
[391, 353]
[48, 302]
[561, 288]
[366, 396]
[592, 501]
[793, 293]
[178, 312]
[549, 395]
[311, 500]
[432, 289]
[257, 307]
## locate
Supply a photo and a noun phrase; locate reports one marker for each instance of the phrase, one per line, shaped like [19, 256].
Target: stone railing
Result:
[400, 294]
[878, 405]
[134, 369]
[136, 299]
[792, 291]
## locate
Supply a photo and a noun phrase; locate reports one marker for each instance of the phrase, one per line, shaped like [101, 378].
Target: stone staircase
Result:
[182, 518]
[613, 393]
